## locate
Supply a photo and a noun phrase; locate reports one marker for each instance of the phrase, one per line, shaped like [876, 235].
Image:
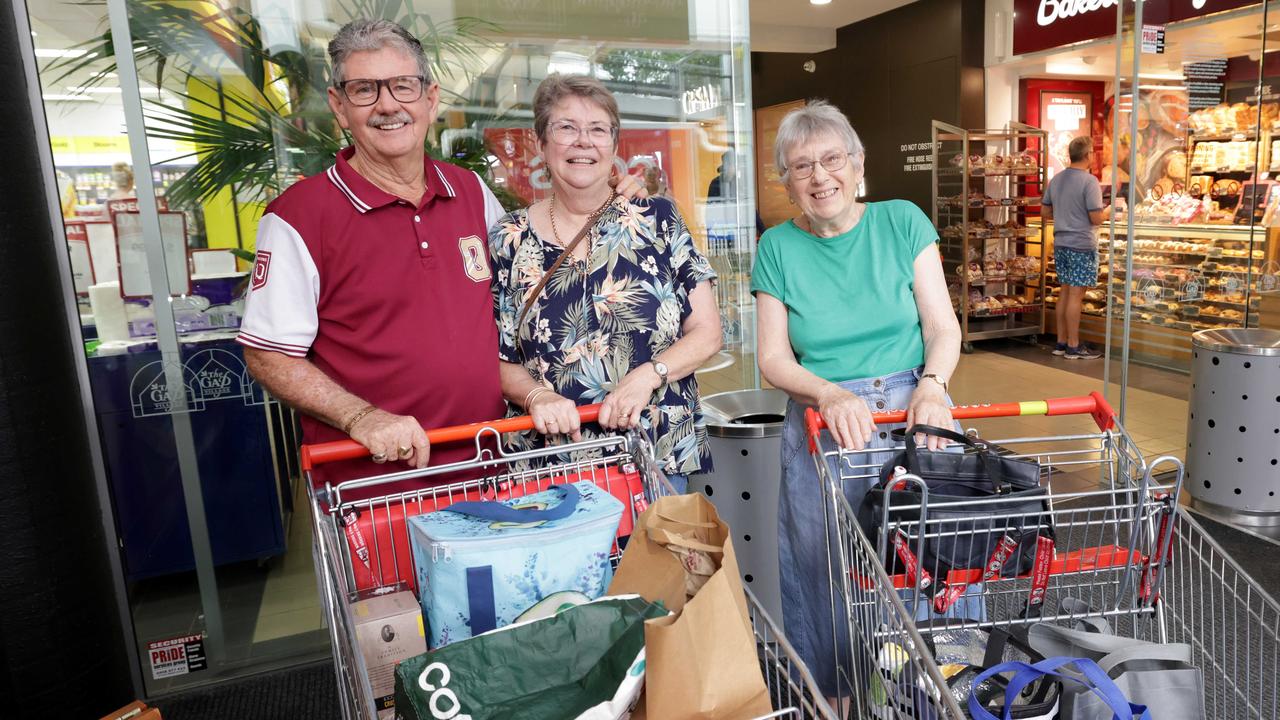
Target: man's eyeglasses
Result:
[831, 162]
[563, 132]
[362, 92]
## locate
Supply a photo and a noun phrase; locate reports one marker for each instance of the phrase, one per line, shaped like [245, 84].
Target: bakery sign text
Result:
[1043, 24]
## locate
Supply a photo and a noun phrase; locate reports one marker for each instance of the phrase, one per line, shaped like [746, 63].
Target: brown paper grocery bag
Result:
[701, 662]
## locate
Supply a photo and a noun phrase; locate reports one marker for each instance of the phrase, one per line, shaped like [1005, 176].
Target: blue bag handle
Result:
[1097, 681]
[501, 512]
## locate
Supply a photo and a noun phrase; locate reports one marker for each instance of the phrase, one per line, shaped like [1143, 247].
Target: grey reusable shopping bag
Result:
[1160, 676]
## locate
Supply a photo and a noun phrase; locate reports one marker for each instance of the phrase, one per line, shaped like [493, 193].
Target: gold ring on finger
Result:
[379, 457]
[405, 452]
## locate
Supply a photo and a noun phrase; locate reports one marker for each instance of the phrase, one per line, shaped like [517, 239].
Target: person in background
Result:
[853, 317]
[655, 182]
[601, 299]
[1073, 202]
[721, 187]
[122, 182]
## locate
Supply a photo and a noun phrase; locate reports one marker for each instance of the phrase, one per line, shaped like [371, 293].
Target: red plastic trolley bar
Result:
[1092, 404]
[321, 453]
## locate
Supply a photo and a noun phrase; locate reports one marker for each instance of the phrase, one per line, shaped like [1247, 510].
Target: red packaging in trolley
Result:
[373, 531]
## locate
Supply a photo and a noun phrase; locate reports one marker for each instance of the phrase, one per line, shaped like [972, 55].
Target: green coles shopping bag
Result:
[550, 669]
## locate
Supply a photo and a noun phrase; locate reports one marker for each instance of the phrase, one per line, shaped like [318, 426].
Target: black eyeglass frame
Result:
[379, 84]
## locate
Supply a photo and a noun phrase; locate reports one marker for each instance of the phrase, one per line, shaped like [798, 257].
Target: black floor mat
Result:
[308, 692]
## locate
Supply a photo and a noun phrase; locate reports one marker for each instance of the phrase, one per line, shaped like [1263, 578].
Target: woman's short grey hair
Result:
[556, 87]
[365, 35]
[817, 118]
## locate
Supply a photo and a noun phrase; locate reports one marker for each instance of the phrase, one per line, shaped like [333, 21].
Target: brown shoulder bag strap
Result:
[568, 251]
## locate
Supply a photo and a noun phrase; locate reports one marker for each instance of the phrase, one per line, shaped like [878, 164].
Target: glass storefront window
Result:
[213, 516]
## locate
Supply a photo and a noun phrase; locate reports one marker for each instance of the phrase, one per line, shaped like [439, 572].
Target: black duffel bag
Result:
[1010, 503]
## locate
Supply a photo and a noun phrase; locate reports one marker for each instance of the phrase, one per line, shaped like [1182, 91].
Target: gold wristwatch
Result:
[937, 379]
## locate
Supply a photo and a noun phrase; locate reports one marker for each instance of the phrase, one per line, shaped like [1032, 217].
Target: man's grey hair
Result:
[365, 35]
[1079, 148]
[817, 118]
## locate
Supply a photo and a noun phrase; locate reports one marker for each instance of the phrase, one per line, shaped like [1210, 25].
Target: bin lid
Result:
[1241, 341]
[745, 413]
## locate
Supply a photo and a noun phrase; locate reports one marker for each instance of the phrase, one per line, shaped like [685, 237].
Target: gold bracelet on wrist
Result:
[356, 418]
[533, 394]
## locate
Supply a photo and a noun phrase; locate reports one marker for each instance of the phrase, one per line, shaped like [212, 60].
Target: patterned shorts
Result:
[1077, 268]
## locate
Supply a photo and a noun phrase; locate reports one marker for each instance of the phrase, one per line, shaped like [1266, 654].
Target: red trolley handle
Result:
[1092, 404]
[328, 452]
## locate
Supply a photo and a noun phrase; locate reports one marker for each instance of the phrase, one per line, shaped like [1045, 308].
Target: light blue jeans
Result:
[802, 542]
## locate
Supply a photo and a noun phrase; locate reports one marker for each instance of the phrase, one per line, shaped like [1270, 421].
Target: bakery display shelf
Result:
[1208, 252]
[1221, 232]
[1011, 310]
[1237, 136]
[989, 202]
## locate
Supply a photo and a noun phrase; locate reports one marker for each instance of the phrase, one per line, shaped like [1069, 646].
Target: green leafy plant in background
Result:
[258, 115]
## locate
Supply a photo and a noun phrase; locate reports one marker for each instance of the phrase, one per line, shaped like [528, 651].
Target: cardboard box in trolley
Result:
[388, 629]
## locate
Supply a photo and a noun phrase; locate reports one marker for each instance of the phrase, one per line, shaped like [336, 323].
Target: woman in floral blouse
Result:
[627, 316]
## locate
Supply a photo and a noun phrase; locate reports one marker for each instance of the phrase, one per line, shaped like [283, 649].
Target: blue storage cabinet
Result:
[233, 451]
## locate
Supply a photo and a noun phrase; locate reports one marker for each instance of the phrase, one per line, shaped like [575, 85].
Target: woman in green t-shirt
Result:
[853, 317]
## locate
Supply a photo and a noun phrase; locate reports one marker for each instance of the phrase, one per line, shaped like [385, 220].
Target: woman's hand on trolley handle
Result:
[621, 408]
[555, 415]
[392, 437]
[848, 417]
[929, 407]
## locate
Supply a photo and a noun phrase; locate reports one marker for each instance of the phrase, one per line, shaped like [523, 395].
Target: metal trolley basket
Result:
[612, 462]
[1124, 551]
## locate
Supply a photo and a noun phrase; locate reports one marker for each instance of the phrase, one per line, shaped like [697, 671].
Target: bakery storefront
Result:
[1182, 100]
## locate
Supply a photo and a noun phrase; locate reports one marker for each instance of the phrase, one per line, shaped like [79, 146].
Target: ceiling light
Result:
[56, 97]
[819, 2]
[57, 53]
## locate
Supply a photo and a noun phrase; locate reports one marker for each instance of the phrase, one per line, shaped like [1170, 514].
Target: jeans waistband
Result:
[883, 382]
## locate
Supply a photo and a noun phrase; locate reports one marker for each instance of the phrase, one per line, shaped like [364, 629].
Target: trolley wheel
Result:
[1034, 339]
[966, 348]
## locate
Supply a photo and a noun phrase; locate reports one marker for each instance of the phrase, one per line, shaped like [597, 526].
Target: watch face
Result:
[660, 367]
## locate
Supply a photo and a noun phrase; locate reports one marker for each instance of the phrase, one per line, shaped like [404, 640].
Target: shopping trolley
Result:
[382, 556]
[1123, 550]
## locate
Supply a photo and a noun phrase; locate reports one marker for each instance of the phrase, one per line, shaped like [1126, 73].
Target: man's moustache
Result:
[378, 121]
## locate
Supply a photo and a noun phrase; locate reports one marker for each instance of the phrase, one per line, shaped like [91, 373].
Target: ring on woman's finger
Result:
[379, 457]
[405, 452]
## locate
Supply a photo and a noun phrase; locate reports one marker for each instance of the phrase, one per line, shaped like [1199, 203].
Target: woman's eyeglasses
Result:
[563, 132]
[831, 162]
[363, 92]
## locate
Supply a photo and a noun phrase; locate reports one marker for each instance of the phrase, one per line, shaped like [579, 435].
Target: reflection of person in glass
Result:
[365, 317]
[600, 299]
[122, 182]
[853, 316]
[721, 187]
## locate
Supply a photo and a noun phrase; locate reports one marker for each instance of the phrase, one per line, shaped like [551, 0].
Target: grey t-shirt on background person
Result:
[1073, 194]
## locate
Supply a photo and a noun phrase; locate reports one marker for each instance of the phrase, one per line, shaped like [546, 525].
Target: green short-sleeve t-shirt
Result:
[851, 308]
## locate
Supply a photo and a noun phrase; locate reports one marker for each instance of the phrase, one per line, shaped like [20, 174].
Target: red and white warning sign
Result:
[176, 656]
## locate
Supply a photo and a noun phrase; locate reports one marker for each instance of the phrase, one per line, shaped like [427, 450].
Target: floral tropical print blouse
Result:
[597, 320]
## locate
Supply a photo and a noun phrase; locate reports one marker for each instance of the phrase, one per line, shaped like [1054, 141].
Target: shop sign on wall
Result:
[917, 157]
[1044, 24]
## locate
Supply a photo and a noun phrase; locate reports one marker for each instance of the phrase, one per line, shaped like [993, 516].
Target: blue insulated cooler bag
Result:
[480, 565]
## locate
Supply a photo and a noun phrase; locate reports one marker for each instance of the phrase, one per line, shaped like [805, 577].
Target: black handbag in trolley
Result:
[982, 512]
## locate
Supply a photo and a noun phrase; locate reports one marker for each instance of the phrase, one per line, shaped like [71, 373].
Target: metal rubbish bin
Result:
[744, 430]
[1233, 428]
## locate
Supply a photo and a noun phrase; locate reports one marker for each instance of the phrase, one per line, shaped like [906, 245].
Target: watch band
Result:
[934, 377]
[661, 369]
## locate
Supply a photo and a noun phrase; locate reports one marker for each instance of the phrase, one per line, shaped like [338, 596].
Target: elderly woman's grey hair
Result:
[365, 35]
[817, 118]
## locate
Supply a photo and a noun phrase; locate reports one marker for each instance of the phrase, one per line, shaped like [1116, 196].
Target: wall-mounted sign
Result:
[1043, 24]
[1065, 116]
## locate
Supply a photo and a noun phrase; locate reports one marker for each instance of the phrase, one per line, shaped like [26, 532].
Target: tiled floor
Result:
[290, 602]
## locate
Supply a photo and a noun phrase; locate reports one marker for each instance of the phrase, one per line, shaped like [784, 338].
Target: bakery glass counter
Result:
[1185, 277]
